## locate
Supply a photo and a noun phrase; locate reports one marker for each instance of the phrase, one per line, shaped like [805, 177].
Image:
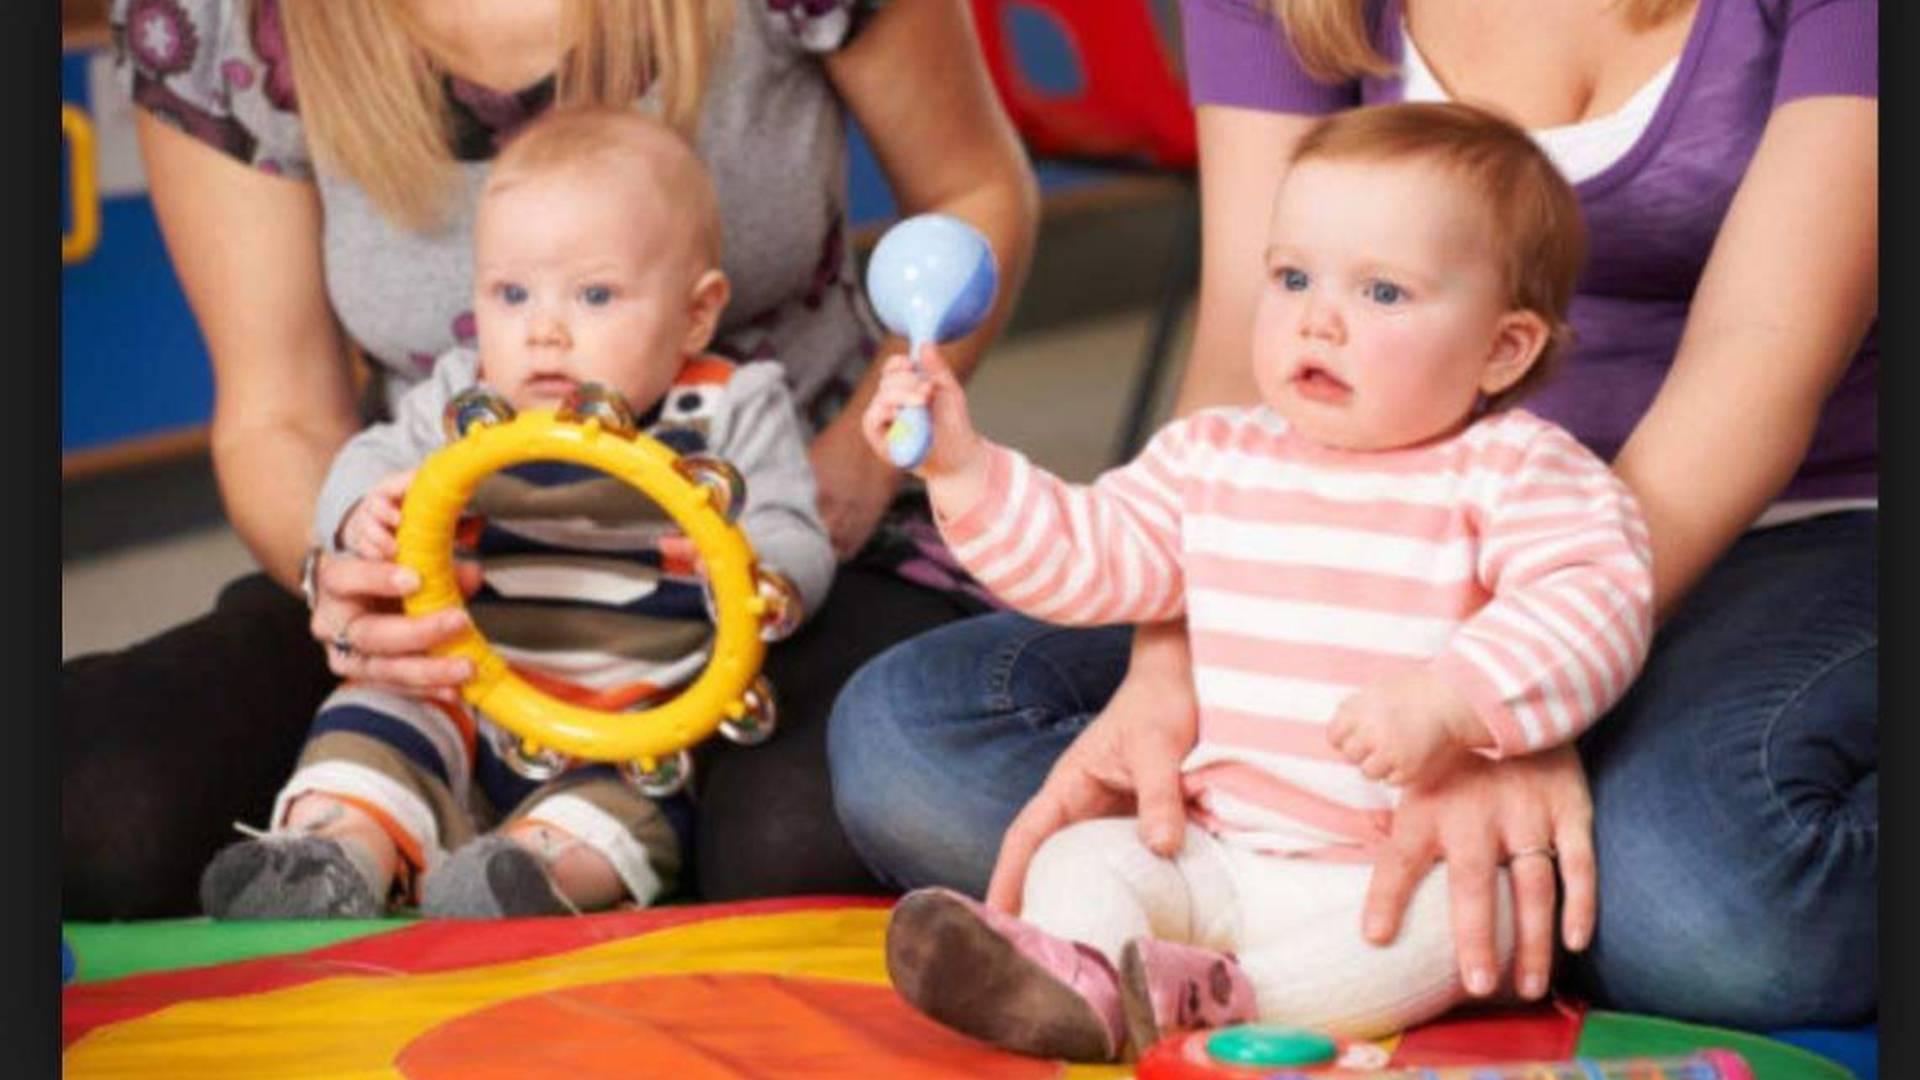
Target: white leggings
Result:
[1293, 923]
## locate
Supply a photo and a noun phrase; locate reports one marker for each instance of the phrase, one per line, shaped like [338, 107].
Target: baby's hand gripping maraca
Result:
[932, 279]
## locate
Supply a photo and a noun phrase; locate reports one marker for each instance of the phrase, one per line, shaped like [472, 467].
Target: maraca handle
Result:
[910, 436]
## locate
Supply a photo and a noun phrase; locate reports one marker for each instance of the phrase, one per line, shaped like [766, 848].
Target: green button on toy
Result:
[1265, 1044]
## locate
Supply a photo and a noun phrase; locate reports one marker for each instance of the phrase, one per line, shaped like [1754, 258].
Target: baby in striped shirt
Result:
[597, 253]
[1383, 566]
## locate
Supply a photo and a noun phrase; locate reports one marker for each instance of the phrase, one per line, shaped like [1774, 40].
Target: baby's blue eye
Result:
[1293, 280]
[513, 294]
[596, 295]
[1385, 292]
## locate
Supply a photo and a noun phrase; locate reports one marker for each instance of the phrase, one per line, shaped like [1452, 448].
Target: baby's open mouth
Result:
[550, 384]
[1318, 384]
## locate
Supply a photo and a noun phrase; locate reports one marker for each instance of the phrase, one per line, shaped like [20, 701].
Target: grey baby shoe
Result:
[491, 877]
[287, 876]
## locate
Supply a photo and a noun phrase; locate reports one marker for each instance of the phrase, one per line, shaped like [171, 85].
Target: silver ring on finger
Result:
[1537, 849]
[341, 644]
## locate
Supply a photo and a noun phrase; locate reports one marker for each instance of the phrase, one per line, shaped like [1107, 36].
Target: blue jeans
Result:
[1735, 787]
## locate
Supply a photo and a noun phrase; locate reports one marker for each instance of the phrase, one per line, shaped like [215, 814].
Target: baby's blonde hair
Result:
[621, 138]
[1534, 217]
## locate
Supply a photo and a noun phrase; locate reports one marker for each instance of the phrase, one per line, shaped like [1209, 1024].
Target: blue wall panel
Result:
[131, 360]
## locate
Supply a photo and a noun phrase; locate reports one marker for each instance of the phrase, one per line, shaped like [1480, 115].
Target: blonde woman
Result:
[314, 166]
[1725, 363]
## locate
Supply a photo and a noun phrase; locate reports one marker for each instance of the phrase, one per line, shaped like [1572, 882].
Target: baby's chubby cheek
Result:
[1270, 370]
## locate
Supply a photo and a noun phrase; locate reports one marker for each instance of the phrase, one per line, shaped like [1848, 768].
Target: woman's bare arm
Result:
[915, 81]
[246, 247]
[1785, 299]
[1243, 156]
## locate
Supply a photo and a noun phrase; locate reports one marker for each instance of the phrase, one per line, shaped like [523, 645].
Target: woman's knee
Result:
[935, 684]
[1738, 846]
[901, 792]
[935, 744]
[1722, 958]
[879, 751]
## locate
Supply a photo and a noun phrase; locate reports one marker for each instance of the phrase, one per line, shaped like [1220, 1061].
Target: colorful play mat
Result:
[783, 989]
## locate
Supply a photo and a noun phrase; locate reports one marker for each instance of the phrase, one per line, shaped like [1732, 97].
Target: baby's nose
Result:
[1321, 320]
[546, 329]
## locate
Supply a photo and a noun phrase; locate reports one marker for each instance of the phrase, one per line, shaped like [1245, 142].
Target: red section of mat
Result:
[423, 948]
[708, 1027]
[1547, 1032]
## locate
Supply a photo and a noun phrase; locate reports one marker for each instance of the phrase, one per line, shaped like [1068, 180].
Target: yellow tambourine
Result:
[750, 606]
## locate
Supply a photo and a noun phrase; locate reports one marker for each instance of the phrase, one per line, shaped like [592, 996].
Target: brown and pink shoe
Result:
[1006, 982]
[1166, 987]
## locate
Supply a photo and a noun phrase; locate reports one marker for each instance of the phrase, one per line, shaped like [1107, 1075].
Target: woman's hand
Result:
[357, 605]
[1478, 818]
[1126, 761]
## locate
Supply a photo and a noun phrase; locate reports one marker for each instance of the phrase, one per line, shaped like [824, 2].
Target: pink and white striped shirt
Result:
[1508, 559]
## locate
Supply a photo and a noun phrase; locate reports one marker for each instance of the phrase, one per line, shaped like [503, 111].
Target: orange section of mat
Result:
[706, 1027]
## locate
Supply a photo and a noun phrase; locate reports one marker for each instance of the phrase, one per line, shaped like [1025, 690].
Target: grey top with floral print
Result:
[772, 133]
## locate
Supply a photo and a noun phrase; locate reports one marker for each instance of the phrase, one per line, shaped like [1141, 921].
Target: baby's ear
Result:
[704, 305]
[1519, 337]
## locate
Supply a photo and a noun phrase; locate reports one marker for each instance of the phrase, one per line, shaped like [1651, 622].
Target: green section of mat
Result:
[110, 950]
[1617, 1035]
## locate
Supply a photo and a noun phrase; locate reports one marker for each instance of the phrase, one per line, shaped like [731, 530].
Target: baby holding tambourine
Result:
[596, 261]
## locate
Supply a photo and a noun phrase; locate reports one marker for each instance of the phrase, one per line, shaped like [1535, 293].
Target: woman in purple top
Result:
[1725, 155]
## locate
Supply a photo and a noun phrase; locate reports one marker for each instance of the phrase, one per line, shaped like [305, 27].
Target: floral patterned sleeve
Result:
[819, 26]
[217, 70]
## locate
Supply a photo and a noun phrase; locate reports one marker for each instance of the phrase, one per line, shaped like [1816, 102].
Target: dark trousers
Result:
[166, 744]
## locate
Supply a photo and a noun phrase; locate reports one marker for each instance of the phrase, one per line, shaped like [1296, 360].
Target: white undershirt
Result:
[1588, 148]
[1582, 150]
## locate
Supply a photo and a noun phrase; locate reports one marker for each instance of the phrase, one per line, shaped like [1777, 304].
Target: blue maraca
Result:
[932, 280]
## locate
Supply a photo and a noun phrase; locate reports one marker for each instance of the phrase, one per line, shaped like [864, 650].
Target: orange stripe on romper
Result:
[705, 370]
[612, 699]
[412, 860]
[462, 721]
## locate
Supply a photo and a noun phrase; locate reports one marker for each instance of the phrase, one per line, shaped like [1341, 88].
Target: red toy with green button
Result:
[1269, 1052]
[1255, 1052]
